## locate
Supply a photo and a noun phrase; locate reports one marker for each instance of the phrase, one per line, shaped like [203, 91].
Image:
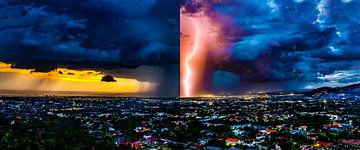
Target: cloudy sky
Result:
[245, 45]
[271, 45]
[135, 40]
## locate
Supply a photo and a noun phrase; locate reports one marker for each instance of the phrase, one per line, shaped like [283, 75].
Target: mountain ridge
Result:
[342, 89]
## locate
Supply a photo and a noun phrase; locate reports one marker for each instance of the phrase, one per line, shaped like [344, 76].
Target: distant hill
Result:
[353, 88]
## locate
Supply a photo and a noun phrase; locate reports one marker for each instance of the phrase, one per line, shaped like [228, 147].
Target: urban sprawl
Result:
[255, 121]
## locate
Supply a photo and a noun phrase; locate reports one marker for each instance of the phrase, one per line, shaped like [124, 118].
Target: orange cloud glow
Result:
[63, 79]
[199, 36]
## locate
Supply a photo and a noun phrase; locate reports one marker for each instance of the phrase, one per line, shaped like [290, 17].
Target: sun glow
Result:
[71, 80]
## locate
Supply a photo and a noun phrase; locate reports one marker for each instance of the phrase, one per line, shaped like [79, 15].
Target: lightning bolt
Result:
[195, 48]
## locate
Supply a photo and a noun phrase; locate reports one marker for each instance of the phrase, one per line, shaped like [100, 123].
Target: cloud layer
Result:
[89, 33]
[293, 44]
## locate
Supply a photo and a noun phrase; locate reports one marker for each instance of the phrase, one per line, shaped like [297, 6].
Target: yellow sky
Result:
[63, 79]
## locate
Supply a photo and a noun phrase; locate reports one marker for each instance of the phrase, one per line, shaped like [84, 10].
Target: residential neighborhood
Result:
[256, 121]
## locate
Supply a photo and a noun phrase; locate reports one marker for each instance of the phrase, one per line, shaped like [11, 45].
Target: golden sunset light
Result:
[62, 79]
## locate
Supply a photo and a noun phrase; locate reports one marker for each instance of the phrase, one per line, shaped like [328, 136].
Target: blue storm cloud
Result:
[292, 43]
[223, 80]
[89, 33]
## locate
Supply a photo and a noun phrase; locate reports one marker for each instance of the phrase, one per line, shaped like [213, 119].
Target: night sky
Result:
[272, 45]
[136, 39]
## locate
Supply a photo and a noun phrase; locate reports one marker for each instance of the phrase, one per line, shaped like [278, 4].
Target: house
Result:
[302, 128]
[323, 144]
[238, 132]
[203, 141]
[351, 141]
[121, 141]
[152, 140]
[232, 141]
[270, 131]
[138, 145]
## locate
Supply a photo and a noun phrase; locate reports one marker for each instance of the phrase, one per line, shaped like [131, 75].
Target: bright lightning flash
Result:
[195, 48]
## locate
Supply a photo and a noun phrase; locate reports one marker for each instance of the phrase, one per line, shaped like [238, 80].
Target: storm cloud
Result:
[291, 43]
[89, 34]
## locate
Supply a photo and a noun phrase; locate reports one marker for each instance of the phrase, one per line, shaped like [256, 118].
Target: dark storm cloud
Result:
[97, 34]
[108, 78]
[167, 77]
[294, 43]
[223, 80]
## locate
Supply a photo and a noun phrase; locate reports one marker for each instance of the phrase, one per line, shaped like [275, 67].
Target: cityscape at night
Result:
[327, 119]
[179, 74]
